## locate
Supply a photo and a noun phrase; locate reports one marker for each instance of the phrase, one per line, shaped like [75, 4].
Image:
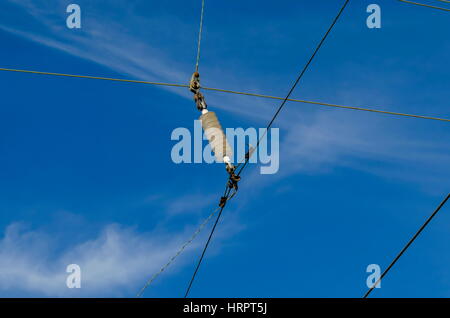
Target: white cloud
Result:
[116, 262]
[320, 142]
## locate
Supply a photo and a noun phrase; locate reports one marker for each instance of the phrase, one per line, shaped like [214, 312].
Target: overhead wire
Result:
[407, 246]
[231, 185]
[93, 77]
[247, 157]
[268, 127]
[229, 92]
[305, 68]
[286, 99]
[200, 35]
[425, 5]
[330, 105]
[180, 250]
[227, 195]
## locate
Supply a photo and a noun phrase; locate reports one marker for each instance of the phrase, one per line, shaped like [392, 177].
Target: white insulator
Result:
[216, 137]
[227, 160]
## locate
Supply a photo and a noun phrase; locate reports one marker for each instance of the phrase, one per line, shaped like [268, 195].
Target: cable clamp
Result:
[233, 181]
[194, 84]
[194, 87]
[200, 101]
[223, 200]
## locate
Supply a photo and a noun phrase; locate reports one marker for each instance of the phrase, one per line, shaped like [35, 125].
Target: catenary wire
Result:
[200, 35]
[305, 68]
[268, 127]
[229, 92]
[330, 105]
[92, 77]
[227, 196]
[424, 5]
[258, 95]
[181, 250]
[407, 245]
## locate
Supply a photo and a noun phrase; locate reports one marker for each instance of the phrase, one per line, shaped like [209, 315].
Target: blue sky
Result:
[87, 178]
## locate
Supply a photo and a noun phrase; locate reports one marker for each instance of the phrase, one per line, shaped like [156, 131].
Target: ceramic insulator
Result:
[216, 137]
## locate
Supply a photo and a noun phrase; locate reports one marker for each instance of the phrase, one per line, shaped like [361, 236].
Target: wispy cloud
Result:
[324, 141]
[336, 137]
[108, 43]
[115, 262]
[103, 41]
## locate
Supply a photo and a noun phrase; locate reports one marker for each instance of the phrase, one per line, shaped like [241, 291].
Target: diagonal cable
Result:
[268, 127]
[305, 68]
[230, 92]
[93, 77]
[227, 196]
[329, 104]
[407, 246]
[200, 35]
[424, 5]
[181, 250]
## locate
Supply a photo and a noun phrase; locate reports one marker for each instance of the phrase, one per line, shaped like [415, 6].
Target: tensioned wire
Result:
[182, 248]
[229, 92]
[426, 5]
[200, 35]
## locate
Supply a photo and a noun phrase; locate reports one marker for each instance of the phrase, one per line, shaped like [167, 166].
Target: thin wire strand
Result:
[93, 77]
[328, 104]
[305, 68]
[181, 250]
[425, 5]
[268, 126]
[200, 35]
[229, 92]
[407, 245]
[228, 196]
